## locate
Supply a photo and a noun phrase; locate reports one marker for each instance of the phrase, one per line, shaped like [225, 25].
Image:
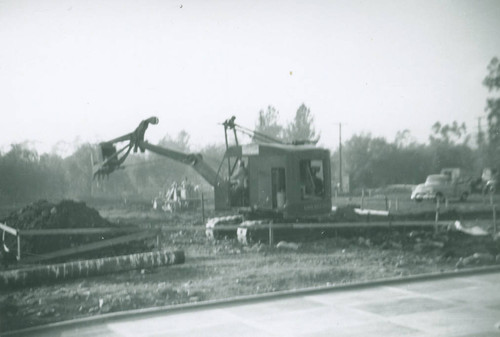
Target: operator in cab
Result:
[239, 181]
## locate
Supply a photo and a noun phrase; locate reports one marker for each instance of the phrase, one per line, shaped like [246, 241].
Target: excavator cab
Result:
[291, 181]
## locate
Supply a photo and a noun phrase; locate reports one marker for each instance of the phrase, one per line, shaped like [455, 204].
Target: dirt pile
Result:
[67, 214]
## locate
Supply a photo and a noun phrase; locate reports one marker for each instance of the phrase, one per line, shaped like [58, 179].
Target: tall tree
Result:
[268, 124]
[492, 82]
[452, 134]
[302, 126]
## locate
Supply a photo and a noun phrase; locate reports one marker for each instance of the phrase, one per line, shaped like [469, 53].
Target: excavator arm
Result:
[194, 160]
[113, 158]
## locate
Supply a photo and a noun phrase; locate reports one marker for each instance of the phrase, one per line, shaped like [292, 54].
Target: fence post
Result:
[362, 198]
[397, 204]
[437, 214]
[493, 207]
[271, 235]
[387, 203]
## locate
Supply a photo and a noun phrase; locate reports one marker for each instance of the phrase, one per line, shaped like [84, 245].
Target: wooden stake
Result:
[18, 247]
[494, 221]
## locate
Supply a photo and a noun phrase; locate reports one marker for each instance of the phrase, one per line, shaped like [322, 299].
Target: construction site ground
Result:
[224, 269]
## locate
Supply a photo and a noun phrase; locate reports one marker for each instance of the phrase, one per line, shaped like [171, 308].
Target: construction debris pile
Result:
[65, 215]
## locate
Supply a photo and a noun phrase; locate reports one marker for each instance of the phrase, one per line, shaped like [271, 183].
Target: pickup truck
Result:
[442, 187]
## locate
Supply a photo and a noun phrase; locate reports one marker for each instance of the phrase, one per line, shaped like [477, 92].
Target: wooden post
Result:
[202, 209]
[271, 235]
[18, 246]
[491, 198]
[446, 203]
[397, 204]
[387, 204]
[362, 198]
[494, 221]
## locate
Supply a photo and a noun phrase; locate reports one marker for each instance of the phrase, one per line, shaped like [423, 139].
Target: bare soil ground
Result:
[224, 269]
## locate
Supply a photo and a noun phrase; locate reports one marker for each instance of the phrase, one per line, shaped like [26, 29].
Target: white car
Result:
[441, 187]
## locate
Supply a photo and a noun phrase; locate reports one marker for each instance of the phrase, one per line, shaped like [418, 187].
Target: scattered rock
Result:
[427, 245]
[48, 312]
[364, 242]
[105, 308]
[288, 245]
[391, 245]
[258, 247]
[475, 259]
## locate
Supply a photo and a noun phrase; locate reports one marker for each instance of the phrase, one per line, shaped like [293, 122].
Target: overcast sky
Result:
[92, 70]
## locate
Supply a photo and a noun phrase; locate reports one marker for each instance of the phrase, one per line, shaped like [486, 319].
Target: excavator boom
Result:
[113, 158]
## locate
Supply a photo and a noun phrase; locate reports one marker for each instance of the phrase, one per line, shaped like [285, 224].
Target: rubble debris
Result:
[364, 242]
[258, 247]
[475, 231]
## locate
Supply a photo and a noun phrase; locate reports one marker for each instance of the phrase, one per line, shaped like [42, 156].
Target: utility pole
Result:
[340, 157]
[480, 136]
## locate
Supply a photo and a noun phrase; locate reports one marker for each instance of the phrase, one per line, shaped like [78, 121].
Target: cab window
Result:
[312, 179]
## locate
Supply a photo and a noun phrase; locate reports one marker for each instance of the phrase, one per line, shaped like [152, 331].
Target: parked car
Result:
[441, 187]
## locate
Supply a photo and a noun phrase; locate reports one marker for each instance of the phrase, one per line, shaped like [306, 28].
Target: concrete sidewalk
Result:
[461, 306]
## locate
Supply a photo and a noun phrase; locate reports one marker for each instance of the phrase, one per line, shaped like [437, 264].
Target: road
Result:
[460, 306]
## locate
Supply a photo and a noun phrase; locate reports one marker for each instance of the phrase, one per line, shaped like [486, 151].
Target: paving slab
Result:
[461, 306]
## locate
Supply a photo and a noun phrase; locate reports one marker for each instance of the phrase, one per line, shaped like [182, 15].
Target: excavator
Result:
[276, 181]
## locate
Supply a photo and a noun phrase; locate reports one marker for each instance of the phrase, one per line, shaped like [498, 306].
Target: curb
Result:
[175, 309]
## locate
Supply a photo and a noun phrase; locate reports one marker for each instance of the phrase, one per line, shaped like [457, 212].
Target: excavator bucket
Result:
[110, 160]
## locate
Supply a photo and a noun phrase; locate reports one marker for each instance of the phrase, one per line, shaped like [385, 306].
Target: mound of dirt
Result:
[67, 214]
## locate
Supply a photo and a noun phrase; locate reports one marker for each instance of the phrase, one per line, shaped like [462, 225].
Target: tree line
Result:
[369, 161]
